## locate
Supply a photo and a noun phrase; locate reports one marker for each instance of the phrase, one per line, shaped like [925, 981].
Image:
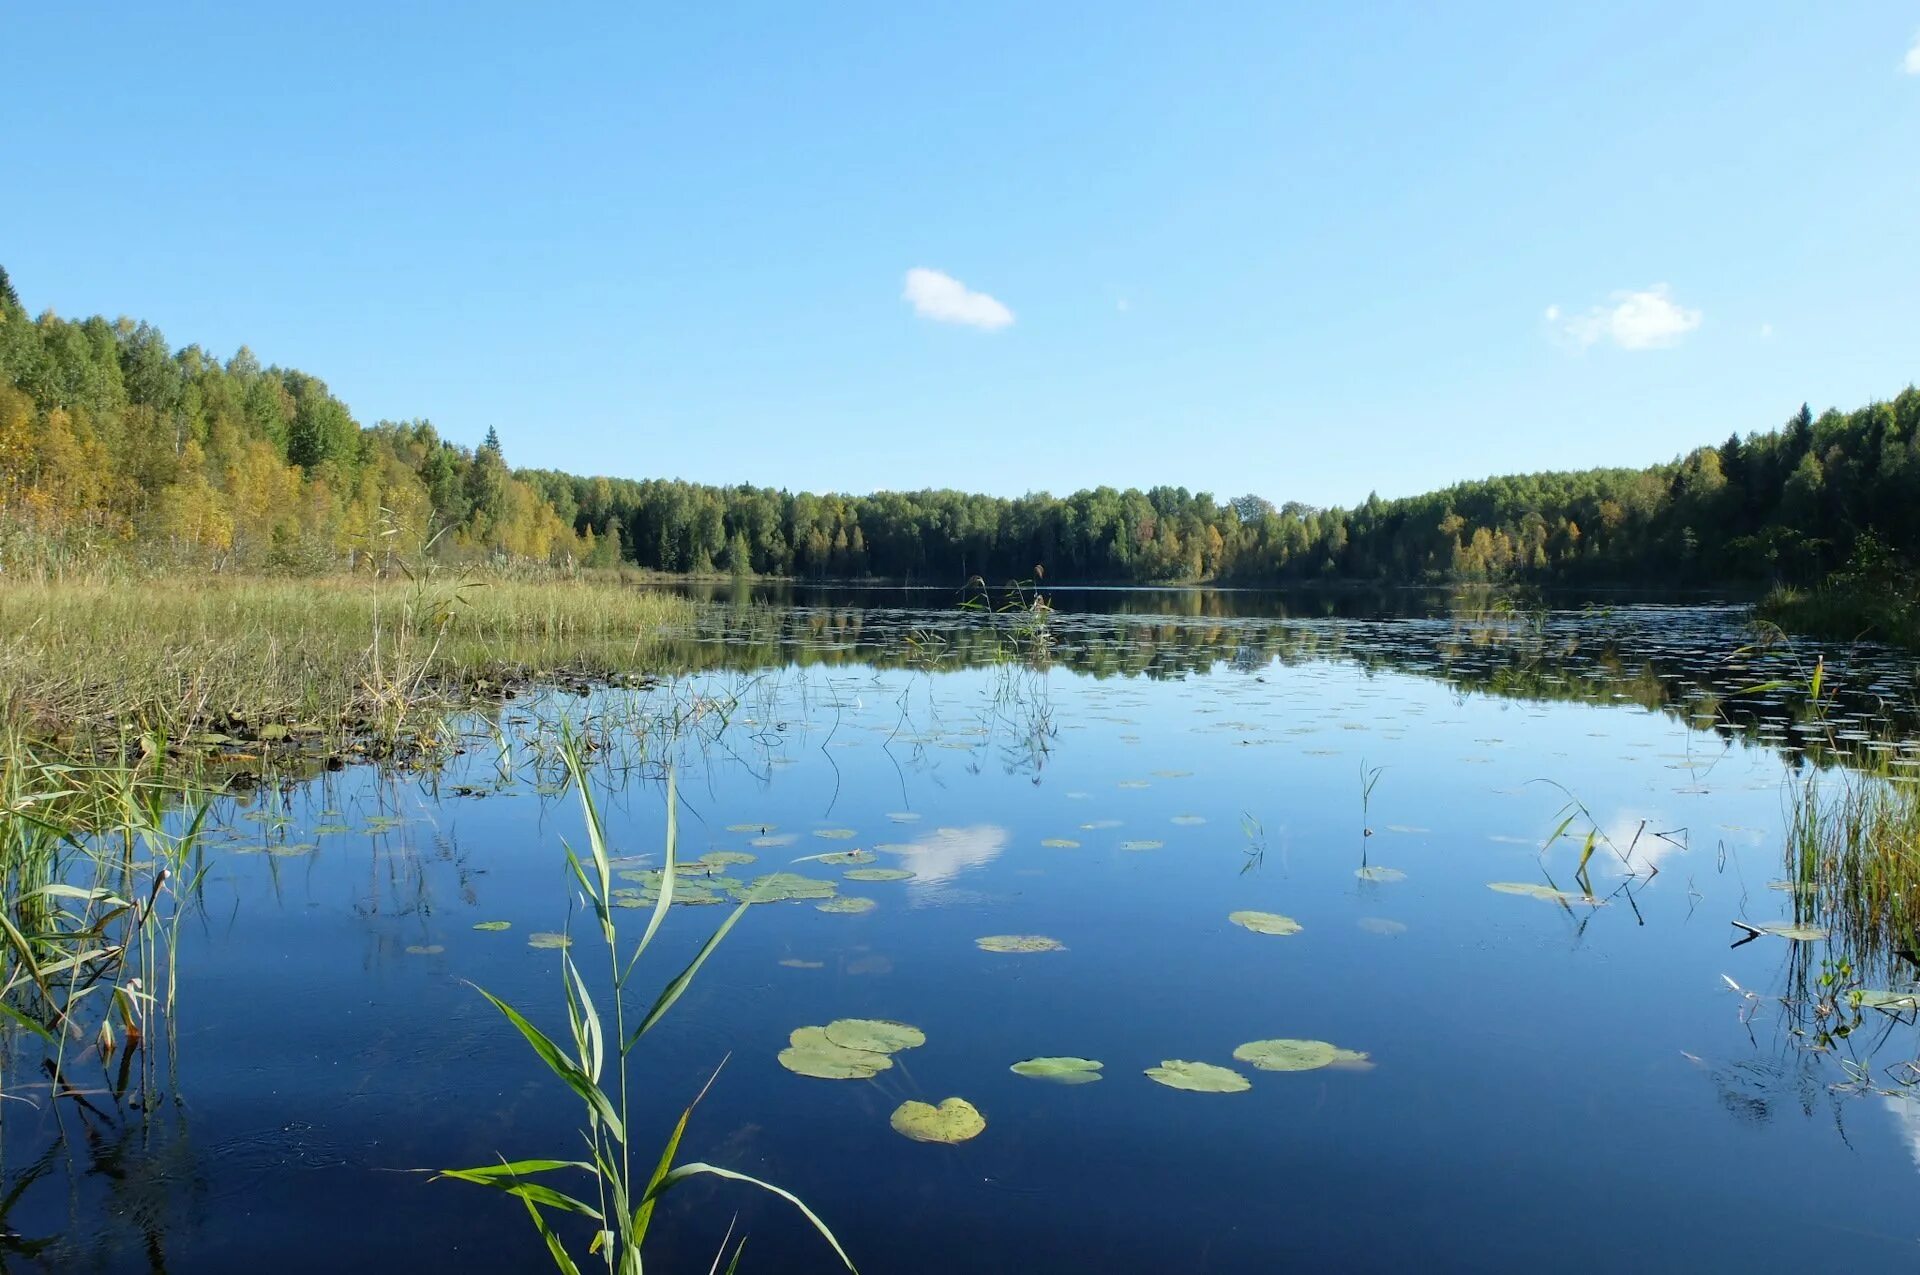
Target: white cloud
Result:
[1766, 331]
[936, 295]
[1645, 320]
[1911, 63]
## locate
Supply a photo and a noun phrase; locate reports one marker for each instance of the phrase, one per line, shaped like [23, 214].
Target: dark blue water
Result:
[1565, 1087]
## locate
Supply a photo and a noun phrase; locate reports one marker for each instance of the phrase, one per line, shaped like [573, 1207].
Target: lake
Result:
[1563, 1072]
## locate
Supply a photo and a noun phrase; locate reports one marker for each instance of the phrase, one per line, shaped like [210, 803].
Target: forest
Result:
[115, 445]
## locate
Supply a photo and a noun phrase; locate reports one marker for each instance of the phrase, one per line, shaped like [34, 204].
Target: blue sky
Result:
[1305, 251]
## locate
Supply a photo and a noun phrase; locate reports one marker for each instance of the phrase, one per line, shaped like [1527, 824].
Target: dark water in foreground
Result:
[1552, 1085]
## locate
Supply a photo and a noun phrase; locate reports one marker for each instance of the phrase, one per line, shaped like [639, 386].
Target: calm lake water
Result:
[1559, 1084]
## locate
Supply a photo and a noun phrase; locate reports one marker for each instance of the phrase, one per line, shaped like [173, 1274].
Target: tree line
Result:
[113, 442]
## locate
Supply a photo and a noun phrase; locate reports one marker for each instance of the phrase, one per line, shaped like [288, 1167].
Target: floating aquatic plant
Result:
[493, 926]
[849, 904]
[954, 1120]
[1287, 1055]
[1264, 922]
[1019, 943]
[1198, 1077]
[810, 1053]
[879, 874]
[1061, 1071]
[880, 1035]
[778, 887]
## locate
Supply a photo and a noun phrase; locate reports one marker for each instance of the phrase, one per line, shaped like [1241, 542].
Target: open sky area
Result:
[1308, 251]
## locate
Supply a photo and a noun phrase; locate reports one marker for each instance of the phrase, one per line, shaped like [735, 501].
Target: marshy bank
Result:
[257, 659]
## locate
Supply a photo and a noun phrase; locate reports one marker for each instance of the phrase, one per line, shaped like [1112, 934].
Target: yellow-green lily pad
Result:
[778, 887]
[1532, 891]
[1287, 1055]
[879, 874]
[1199, 1077]
[726, 858]
[850, 904]
[875, 1035]
[835, 834]
[1796, 933]
[810, 1053]
[1141, 845]
[1380, 874]
[1264, 922]
[847, 858]
[1060, 1071]
[425, 949]
[954, 1120]
[1019, 943]
[543, 939]
[1891, 1002]
[493, 926]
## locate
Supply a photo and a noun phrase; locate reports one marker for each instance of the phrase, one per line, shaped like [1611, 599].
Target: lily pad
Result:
[1891, 1002]
[851, 904]
[544, 940]
[836, 834]
[1287, 1055]
[1198, 1077]
[796, 963]
[1532, 891]
[425, 949]
[1381, 925]
[879, 874]
[845, 858]
[1061, 1071]
[1142, 845]
[1796, 933]
[1380, 874]
[1019, 943]
[750, 827]
[292, 849]
[904, 816]
[1188, 821]
[493, 926]
[875, 1035]
[330, 829]
[727, 858]
[1264, 922]
[1060, 843]
[776, 839]
[954, 1120]
[778, 887]
[810, 1053]
[1097, 825]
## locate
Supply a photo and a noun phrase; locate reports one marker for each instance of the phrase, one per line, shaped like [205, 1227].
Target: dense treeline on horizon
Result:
[113, 443]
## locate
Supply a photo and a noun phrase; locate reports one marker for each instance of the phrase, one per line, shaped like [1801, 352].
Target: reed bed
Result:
[173, 655]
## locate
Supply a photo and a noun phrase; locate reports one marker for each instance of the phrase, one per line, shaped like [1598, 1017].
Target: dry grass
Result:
[173, 654]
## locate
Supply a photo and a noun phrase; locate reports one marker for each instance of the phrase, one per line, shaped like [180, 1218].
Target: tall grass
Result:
[620, 1201]
[1853, 859]
[171, 656]
[98, 865]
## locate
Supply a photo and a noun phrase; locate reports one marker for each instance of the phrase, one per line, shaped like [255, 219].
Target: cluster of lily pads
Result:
[1201, 1077]
[861, 1048]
